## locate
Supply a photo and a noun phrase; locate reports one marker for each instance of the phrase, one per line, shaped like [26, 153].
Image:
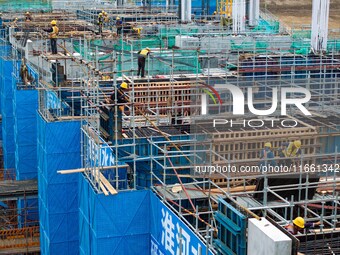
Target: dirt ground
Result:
[298, 13]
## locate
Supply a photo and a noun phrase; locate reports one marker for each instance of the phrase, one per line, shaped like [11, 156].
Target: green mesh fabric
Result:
[89, 53]
[161, 62]
[151, 42]
[301, 47]
[18, 5]
[301, 34]
[333, 45]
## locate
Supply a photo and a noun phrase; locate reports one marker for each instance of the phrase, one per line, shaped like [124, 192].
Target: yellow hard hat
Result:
[269, 145]
[299, 221]
[124, 85]
[53, 22]
[297, 144]
[100, 14]
[117, 18]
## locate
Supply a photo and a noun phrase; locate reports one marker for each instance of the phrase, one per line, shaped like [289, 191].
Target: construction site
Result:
[169, 127]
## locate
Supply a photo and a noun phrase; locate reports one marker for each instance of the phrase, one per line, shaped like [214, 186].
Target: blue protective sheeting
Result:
[7, 113]
[166, 228]
[25, 130]
[28, 212]
[129, 223]
[58, 149]
[117, 224]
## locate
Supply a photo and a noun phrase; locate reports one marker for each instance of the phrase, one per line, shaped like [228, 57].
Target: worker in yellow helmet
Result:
[28, 17]
[14, 23]
[267, 156]
[114, 107]
[122, 97]
[119, 25]
[137, 31]
[105, 16]
[293, 149]
[100, 23]
[299, 224]
[142, 55]
[54, 32]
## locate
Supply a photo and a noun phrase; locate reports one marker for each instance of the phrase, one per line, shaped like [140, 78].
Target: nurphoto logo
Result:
[279, 95]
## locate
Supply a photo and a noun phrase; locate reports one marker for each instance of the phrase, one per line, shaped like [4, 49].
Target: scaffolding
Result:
[160, 137]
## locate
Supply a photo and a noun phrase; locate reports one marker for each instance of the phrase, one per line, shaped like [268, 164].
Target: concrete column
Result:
[185, 10]
[320, 19]
[254, 12]
[239, 16]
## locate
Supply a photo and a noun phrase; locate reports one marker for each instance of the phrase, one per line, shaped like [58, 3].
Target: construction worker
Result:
[137, 31]
[14, 23]
[105, 16]
[100, 23]
[142, 55]
[267, 156]
[121, 96]
[119, 25]
[28, 17]
[122, 99]
[299, 224]
[214, 16]
[54, 31]
[281, 153]
[293, 149]
[24, 72]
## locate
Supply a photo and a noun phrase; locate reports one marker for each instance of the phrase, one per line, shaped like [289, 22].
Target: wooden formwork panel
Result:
[165, 94]
[244, 145]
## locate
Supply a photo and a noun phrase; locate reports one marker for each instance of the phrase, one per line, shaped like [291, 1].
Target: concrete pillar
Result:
[320, 19]
[185, 10]
[239, 16]
[254, 12]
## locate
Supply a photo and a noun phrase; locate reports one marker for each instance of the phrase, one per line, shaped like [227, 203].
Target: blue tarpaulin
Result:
[58, 149]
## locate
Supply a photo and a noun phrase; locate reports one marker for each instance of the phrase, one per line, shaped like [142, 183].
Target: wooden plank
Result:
[235, 189]
[106, 193]
[81, 170]
[107, 184]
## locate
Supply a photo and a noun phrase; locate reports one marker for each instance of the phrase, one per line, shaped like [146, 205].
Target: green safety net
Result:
[163, 63]
[333, 45]
[18, 5]
[272, 27]
[169, 34]
[301, 42]
[88, 52]
[301, 47]
[302, 34]
[151, 42]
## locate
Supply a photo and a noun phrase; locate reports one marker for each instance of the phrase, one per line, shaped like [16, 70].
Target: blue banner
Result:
[171, 232]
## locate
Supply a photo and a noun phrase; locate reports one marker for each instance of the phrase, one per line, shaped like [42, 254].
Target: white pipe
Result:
[239, 16]
[254, 12]
[320, 17]
[186, 10]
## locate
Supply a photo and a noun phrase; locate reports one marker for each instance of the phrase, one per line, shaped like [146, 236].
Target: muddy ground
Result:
[297, 13]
